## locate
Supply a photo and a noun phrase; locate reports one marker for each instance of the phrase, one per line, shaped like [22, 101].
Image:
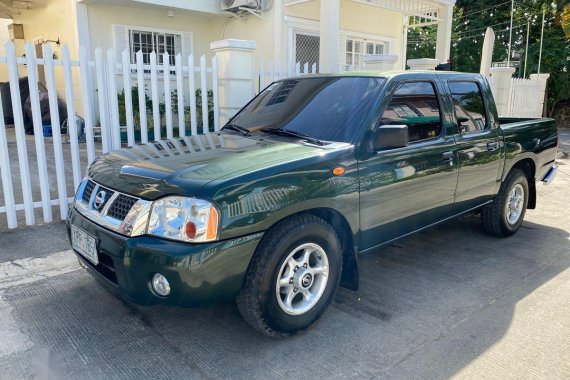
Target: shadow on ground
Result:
[414, 295]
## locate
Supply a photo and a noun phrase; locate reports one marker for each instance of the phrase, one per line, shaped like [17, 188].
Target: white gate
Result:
[40, 188]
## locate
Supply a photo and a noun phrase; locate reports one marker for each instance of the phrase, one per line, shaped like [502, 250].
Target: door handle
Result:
[492, 146]
[447, 157]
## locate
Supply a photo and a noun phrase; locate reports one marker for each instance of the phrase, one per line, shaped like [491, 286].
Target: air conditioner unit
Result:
[235, 5]
[239, 6]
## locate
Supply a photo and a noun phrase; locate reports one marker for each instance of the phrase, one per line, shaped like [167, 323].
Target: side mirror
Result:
[390, 136]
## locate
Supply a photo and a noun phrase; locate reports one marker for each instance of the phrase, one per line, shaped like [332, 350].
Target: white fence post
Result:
[540, 80]
[38, 131]
[87, 108]
[235, 81]
[154, 96]
[56, 131]
[167, 95]
[102, 97]
[142, 97]
[71, 118]
[115, 127]
[20, 135]
[501, 88]
[126, 62]
[204, 95]
[6, 172]
[180, 95]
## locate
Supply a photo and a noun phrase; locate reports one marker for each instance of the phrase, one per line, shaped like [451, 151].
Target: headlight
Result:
[185, 219]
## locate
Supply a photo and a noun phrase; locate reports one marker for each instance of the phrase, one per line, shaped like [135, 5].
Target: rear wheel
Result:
[505, 215]
[292, 277]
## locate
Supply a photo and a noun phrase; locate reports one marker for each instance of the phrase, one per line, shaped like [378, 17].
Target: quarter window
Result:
[469, 106]
[415, 105]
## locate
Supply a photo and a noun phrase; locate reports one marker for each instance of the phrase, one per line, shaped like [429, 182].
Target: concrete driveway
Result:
[448, 302]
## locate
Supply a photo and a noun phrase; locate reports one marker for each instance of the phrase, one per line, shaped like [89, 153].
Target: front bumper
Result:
[198, 273]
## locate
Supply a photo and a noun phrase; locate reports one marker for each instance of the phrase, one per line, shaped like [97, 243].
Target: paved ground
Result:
[448, 302]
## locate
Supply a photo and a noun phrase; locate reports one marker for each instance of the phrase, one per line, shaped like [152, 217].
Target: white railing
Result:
[523, 97]
[101, 80]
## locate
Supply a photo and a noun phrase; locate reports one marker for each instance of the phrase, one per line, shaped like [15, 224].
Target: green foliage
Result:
[162, 108]
[135, 99]
[472, 17]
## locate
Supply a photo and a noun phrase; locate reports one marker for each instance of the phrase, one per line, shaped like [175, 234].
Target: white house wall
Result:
[357, 20]
[102, 17]
[52, 20]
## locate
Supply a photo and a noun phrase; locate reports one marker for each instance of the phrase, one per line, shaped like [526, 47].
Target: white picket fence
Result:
[109, 73]
[525, 100]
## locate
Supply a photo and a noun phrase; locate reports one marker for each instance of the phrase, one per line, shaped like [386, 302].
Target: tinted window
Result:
[469, 106]
[326, 108]
[415, 105]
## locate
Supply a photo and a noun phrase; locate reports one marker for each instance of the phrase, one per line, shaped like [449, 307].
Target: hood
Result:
[184, 165]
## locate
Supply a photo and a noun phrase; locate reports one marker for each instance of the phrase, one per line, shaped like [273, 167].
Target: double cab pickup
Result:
[273, 209]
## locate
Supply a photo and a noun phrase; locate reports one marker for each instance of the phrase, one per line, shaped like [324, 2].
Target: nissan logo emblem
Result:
[100, 199]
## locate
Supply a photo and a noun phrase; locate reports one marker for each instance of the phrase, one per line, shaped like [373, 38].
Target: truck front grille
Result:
[110, 208]
[121, 206]
[88, 191]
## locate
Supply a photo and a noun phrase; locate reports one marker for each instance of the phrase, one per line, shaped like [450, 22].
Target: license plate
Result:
[85, 244]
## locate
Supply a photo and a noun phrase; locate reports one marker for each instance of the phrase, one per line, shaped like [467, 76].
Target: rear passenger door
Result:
[408, 188]
[478, 145]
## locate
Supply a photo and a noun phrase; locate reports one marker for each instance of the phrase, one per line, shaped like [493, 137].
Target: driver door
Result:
[407, 188]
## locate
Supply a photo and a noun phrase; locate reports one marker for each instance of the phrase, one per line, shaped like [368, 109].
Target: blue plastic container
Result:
[47, 130]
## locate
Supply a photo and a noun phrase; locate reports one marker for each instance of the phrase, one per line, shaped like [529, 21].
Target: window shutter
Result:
[341, 51]
[121, 38]
[186, 44]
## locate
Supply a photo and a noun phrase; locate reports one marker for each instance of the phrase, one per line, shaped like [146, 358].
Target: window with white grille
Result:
[356, 48]
[161, 43]
[147, 40]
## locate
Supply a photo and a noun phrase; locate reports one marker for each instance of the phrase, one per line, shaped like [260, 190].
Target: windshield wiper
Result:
[288, 133]
[237, 128]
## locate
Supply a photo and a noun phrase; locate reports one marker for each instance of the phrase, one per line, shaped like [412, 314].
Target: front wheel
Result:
[292, 278]
[505, 215]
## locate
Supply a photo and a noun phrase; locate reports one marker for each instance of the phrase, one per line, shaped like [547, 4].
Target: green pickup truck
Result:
[273, 210]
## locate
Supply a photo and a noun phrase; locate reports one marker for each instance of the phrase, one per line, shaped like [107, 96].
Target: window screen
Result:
[469, 106]
[415, 105]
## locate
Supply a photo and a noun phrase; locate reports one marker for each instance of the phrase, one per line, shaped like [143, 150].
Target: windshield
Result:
[325, 108]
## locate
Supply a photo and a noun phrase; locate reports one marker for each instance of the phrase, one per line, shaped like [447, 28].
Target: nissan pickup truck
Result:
[273, 209]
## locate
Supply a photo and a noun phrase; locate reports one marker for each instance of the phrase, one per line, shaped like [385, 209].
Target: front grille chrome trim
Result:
[134, 223]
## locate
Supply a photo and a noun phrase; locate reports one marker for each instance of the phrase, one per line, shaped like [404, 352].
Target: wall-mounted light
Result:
[57, 42]
[170, 13]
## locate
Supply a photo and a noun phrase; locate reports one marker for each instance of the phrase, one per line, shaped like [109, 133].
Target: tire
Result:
[496, 218]
[264, 303]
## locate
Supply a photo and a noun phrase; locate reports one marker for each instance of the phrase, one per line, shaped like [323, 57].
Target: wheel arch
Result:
[528, 166]
[349, 276]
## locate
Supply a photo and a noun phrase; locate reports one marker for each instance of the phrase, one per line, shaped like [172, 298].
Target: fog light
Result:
[160, 285]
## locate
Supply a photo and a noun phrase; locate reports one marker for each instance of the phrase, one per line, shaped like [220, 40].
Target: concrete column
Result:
[501, 82]
[278, 32]
[423, 63]
[383, 62]
[542, 79]
[443, 43]
[329, 27]
[235, 75]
